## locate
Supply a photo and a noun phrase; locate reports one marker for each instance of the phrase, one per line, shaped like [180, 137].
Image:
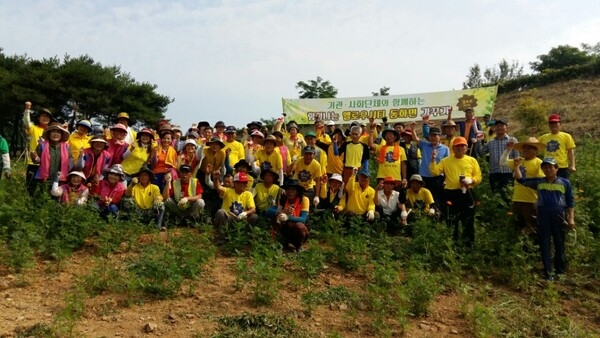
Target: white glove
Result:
[473, 140]
[283, 217]
[243, 215]
[467, 180]
[403, 214]
[371, 215]
[183, 201]
[316, 200]
[431, 211]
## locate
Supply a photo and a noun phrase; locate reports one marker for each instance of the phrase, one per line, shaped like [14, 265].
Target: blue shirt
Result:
[551, 195]
[426, 150]
[496, 147]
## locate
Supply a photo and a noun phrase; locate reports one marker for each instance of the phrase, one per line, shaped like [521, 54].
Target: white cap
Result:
[331, 123]
[336, 177]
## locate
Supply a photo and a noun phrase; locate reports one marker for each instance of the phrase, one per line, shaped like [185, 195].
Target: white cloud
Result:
[236, 59]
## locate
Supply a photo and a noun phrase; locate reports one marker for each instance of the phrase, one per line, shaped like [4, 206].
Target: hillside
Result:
[575, 100]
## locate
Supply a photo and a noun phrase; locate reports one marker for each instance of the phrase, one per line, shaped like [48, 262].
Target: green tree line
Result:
[73, 88]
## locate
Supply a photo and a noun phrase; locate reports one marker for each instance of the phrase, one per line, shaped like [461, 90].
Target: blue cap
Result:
[364, 171]
[550, 160]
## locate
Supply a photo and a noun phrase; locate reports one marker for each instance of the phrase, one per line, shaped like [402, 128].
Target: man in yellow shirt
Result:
[354, 153]
[238, 204]
[560, 146]
[234, 148]
[308, 172]
[80, 138]
[144, 198]
[320, 156]
[390, 156]
[360, 200]
[461, 173]
[266, 192]
[269, 157]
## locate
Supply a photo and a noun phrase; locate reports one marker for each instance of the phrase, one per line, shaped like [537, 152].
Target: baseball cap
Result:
[308, 149]
[554, 118]
[331, 123]
[240, 177]
[550, 160]
[186, 168]
[500, 121]
[434, 131]
[459, 141]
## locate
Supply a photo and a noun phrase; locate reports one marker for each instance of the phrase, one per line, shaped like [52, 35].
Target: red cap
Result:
[554, 118]
[240, 177]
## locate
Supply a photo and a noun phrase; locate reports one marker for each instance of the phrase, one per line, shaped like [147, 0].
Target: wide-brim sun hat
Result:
[56, 126]
[531, 141]
[264, 171]
[272, 138]
[144, 169]
[119, 126]
[293, 184]
[145, 131]
[215, 140]
[116, 169]
[98, 139]
[76, 173]
[390, 130]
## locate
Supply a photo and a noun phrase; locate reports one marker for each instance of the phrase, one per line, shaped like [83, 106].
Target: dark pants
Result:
[499, 182]
[294, 233]
[461, 210]
[29, 181]
[436, 186]
[551, 227]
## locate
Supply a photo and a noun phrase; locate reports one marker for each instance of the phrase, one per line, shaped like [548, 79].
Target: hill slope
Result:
[577, 101]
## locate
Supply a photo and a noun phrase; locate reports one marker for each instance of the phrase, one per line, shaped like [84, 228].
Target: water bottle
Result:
[463, 188]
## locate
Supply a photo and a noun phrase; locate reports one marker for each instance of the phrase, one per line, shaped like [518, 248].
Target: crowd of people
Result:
[281, 175]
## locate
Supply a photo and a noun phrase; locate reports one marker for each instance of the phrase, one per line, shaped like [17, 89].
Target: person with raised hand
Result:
[74, 192]
[183, 196]
[290, 215]
[361, 197]
[555, 210]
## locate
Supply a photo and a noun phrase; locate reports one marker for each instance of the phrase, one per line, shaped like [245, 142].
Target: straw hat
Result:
[531, 141]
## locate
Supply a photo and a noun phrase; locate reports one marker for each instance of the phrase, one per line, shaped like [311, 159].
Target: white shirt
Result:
[391, 205]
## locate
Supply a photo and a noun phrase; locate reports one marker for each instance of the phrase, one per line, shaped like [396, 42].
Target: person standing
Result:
[4, 158]
[80, 139]
[559, 145]
[34, 133]
[556, 209]
[461, 173]
[435, 183]
[123, 118]
[500, 177]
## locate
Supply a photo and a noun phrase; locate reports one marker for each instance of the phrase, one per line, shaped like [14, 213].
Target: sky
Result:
[234, 60]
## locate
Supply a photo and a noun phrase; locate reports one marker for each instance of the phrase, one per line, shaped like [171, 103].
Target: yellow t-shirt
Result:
[35, 134]
[354, 153]
[335, 165]
[274, 159]
[453, 167]
[264, 197]
[529, 169]
[390, 167]
[306, 174]
[134, 162]
[424, 196]
[144, 197]
[557, 146]
[237, 203]
[359, 201]
[237, 152]
[294, 146]
[77, 142]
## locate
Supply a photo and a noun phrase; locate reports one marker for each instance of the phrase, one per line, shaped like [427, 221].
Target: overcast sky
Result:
[235, 60]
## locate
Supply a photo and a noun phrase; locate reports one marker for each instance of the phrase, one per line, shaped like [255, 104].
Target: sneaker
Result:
[549, 278]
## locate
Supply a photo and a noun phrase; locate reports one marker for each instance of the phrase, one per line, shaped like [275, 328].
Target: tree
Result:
[383, 91]
[561, 57]
[316, 89]
[473, 78]
[493, 75]
[532, 113]
[73, 88]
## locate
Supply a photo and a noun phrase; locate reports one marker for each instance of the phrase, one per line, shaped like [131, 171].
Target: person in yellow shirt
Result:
[560, 146]
[360, 200]
[308, 172]
[290, 215]
[354, 153]
[234, 148]
[144, 198]
[138, 153]
[311, 140]
[449, 129]
[34, 133]
[461, 173]
[335, 165]
[390, 156]
[331, 193]
[293, 140]
[268, 157]
[238, 204]
[80, 138]
[524, 198]
[420, 198]
[266, 192]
